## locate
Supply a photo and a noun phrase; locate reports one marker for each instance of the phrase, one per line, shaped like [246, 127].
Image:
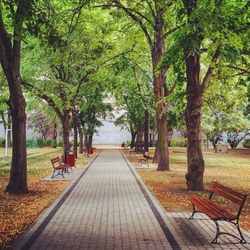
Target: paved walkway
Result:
[108, 207]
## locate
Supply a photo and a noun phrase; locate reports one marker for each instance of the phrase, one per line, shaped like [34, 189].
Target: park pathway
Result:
[108, 207]
[105, 210]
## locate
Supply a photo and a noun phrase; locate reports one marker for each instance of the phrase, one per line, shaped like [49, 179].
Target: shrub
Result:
[246, 143]
[53, 143]
[178, 142]
[41, 142]
[44, 143]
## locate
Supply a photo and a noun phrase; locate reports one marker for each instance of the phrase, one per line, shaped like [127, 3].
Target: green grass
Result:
[38, 161]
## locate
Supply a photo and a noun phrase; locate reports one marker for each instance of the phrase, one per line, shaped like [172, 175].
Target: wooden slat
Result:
[54, 160]
[212, 209]
[227, 193]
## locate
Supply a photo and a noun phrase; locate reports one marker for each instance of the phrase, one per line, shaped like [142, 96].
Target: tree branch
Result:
[136, 19]
[151, 9]
[85, 76]
[172, 31]
[44, 97]
[5, 48]
[209, 72]
[238, 68]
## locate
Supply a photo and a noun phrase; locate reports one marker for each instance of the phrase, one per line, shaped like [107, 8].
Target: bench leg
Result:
[194, 211]
[62, 173]
[53, 174]
[218, 233]
[242, 240]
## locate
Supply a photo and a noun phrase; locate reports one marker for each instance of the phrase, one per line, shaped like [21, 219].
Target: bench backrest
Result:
[228, 193]
[55, 161]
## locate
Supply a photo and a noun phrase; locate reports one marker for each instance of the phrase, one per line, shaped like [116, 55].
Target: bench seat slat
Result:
[212, 209]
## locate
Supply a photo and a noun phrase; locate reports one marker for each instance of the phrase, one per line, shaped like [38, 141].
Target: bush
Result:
[41, 142]
[45, 143]
[246, 143]
[53, 143]
[178, 142]
[2, 142]
[30, 143]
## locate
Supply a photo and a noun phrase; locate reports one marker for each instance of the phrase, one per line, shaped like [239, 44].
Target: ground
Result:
[232, 169]
[17, 212]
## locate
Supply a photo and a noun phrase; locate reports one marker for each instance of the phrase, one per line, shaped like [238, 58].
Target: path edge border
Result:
[154, 204]
[29, 236]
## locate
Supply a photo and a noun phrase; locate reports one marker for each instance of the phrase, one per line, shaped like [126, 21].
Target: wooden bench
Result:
[59, 167]
[144, 159]
[217, 212]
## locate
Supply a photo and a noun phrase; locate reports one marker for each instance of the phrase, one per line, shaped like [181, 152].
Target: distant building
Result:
[109, 133]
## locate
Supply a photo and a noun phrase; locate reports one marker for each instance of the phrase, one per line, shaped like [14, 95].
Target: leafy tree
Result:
[150, 16]
[14, 17]
[92, 110]
[69, 61]
[218, 39]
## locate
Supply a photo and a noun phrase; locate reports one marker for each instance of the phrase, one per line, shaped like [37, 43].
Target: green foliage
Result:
[44, 142]
[178, 142]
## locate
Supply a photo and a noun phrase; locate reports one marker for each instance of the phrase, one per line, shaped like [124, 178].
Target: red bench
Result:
[217, 212]
[59, 167]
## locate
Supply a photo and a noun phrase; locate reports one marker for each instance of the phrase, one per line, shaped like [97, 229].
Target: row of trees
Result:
[157, 58]
[197, 46]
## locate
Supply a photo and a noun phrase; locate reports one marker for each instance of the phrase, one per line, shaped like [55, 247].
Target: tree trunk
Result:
[146, 131]
[90, 139]
[10, 54]
[80, 138]
[75, 133]
[18, 173]
[65, 126]
[196, 165]
[133, 136]
[160, 91]
[139, 140]
[139, 137]
[86, 143]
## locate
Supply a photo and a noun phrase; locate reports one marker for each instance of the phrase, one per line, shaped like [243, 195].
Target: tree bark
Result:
[139, 140]
[18, 173]
[86, 143]
[65, 127]
[90, 139]
[54, 136]
[196, 165]
[160, 91]
[80, 138]
[133, 136]
[146, 131]
[75, 133]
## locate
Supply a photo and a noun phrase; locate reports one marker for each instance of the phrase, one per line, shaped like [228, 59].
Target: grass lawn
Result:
[17, 212]
[232, 170]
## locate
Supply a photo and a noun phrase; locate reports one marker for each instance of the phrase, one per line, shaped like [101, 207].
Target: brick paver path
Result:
[105, 210]
[109, 208]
